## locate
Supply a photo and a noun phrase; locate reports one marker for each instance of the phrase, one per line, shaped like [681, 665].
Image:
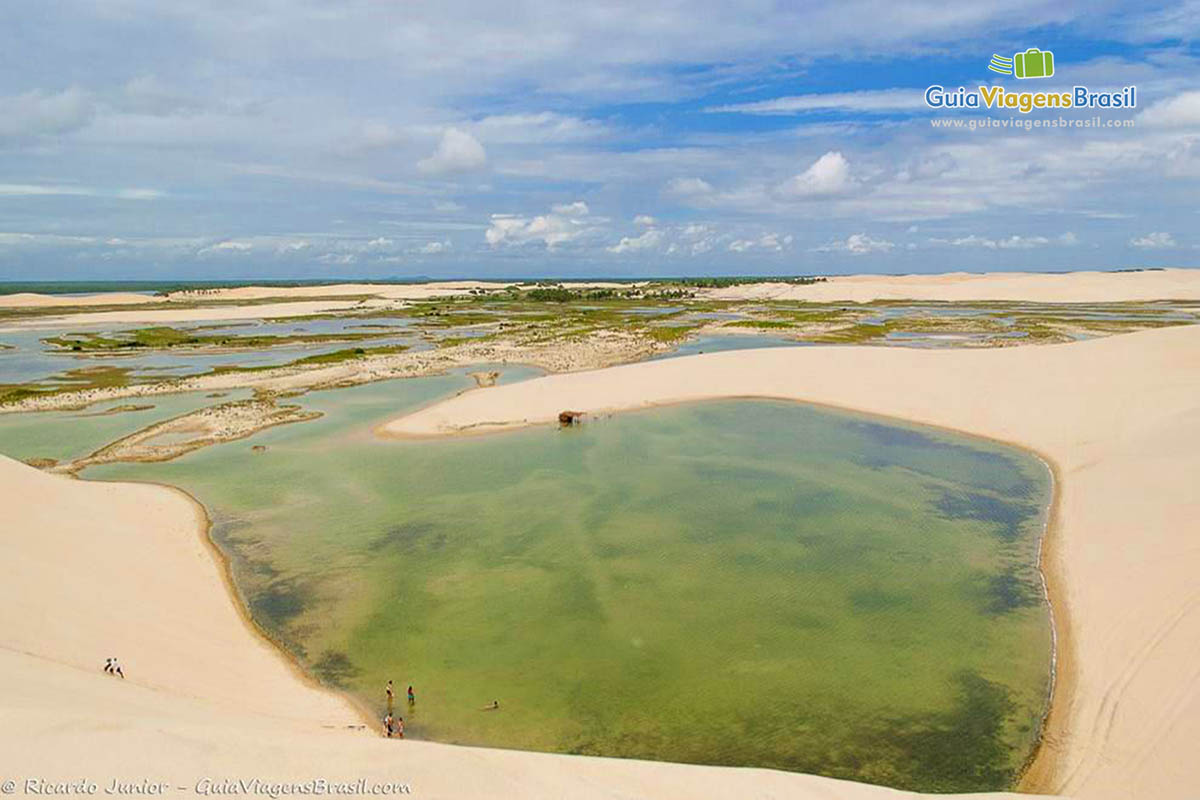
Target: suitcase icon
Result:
[1033, 63]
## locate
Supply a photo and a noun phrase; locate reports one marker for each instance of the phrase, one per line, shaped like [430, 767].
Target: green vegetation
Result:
[163, 338]
[722, 282]
[73, 380]
[765, 324]
[670, 333]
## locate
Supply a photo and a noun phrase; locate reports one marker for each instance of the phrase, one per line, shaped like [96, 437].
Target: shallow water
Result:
[31, 359]
[64, 435]
[752, 583]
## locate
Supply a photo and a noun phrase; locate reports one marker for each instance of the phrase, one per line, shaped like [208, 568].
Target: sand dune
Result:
[1070, 287]
[1120, 420]
[34, 300]
[92, 570]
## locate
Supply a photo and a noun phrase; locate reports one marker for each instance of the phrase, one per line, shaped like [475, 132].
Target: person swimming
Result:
[495, 706]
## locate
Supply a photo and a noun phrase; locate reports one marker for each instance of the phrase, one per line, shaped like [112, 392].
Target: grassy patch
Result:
[166, 338]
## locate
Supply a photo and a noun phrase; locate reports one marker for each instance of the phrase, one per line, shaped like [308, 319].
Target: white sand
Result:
[92, 570]
[1120, 420]
[1073, 287]
[34, 300]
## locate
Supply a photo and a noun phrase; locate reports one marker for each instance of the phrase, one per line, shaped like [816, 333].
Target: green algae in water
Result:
[749, 583]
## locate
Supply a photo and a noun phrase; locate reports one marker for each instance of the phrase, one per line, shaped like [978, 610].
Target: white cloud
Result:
[227, 246]
[828, 175]
[380, 243]
[691, 190]
[874, 100]
[1154, 241]
[1180, 111]
[645, 241]
[457, 152]
[645, 220]
[768, 241]
[432, 248]
[551, 229]
[1014, 242]
[33, 189]
[39, 113]
[539, 128]
[338, 259]
[576, 209]
[856, 244]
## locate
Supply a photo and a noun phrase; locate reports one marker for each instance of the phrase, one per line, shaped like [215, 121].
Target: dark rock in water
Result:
[566, 418]
[258, 448]
[217, 394]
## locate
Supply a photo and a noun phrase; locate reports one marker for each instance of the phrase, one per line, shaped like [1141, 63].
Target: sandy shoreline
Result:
[1100, 411]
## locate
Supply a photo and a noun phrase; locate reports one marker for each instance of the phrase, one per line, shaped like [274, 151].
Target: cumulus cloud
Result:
[645, 220]
[828, 175]
[433, 248]
[576, 209]
[1182, 110]
[768, 241]
[645, 241]
[457, 152]
[40, 113]
[551, 230]
[856, 244]
[690, 190]
[1154, 241]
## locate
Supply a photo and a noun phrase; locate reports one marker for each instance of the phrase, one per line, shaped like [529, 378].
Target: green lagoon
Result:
[749, 582]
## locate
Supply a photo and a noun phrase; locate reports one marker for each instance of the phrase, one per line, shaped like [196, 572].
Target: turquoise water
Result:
[751, 583]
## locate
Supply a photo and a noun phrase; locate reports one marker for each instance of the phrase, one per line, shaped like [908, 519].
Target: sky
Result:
[155, 139]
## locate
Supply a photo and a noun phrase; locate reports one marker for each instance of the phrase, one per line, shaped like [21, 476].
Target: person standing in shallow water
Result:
[391, 696]
[388, 726]
[412, 698]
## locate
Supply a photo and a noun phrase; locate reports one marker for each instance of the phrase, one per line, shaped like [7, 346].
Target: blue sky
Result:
[142, 139]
